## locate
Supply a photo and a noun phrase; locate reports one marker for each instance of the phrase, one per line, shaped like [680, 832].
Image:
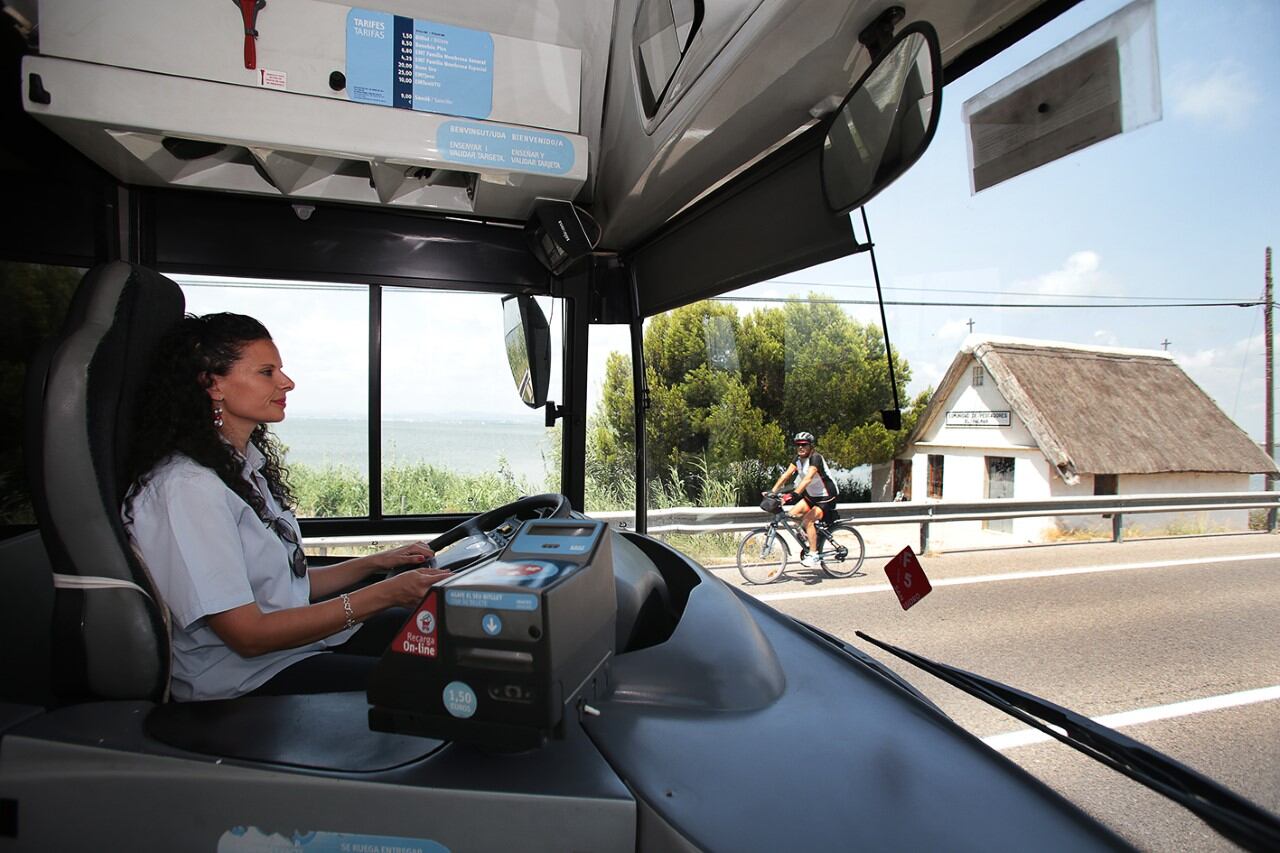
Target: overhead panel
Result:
[326, 101]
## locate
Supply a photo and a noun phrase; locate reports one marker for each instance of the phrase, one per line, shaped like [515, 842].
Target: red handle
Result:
[249, 14]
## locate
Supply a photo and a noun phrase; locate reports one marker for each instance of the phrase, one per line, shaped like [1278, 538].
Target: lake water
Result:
[465, 446]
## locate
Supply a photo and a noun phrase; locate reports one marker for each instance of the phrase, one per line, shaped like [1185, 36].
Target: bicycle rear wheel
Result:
[843, 558]
[762, 556]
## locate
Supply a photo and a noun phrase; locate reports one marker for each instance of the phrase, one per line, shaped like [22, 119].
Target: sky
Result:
[1182, 208]
[1179, 209]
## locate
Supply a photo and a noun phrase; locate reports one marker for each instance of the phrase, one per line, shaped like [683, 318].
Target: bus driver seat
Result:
[110, 638]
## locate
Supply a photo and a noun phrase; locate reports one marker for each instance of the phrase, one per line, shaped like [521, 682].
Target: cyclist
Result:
[815, 492]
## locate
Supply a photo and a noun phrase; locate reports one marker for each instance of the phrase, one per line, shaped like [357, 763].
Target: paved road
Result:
[1170, 621]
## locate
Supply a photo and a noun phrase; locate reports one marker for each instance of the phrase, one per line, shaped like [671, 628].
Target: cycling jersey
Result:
[821, 486]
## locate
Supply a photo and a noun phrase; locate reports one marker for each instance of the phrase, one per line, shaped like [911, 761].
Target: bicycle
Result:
[763, 553]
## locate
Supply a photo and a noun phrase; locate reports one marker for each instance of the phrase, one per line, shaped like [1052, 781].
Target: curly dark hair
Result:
[175, 415]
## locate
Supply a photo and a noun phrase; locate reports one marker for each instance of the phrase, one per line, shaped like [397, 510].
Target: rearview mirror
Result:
[886, 122]
[528, 344]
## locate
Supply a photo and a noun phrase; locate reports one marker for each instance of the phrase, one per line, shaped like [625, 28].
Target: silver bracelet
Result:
[347, 609]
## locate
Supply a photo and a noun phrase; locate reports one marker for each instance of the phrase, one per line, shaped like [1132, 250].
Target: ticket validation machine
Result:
[500, 654]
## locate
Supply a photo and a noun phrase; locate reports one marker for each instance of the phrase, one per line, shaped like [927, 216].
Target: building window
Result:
[935, 475]
[902, 479]
[1105, 484]
[978, 374]
[999, 485]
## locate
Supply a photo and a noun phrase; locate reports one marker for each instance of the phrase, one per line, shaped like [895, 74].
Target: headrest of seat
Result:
[117, 316]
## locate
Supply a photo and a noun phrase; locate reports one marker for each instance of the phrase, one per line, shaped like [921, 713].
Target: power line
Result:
[784, 299]
[984, 292]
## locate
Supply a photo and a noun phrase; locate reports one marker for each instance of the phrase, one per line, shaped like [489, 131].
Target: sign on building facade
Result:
[978, 419]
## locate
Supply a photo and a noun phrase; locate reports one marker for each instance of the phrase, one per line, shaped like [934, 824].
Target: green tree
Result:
[726, 391]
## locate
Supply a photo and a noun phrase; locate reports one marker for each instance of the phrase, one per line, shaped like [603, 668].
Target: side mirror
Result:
[886, 122]
[528, 344]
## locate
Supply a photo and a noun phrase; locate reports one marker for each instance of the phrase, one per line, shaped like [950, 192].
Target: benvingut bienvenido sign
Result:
[978, 419]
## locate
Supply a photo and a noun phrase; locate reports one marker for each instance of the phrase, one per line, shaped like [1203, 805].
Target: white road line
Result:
[1011, 576]
[1025, 737]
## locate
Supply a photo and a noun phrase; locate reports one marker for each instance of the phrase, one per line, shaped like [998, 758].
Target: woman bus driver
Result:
[209, 513]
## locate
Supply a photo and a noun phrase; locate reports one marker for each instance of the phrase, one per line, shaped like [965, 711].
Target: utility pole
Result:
[1270, 402]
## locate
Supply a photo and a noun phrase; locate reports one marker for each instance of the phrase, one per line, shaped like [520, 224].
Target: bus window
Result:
[456, 436]
[610, 459]
[322, 331]
[33, 301]
[730, 383]
[663, 32]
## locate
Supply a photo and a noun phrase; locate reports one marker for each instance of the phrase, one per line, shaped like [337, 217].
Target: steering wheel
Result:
[482, 535]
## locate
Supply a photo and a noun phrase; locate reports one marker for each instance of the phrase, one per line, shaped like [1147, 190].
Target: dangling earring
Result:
[217, 414]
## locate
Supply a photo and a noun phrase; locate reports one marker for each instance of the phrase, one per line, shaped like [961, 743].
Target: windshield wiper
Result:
[1230, 814]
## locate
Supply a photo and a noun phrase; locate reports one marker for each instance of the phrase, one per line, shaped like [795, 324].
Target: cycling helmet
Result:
[802, 438]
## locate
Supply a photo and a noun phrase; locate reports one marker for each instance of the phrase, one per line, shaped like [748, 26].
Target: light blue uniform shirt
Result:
[207, 552]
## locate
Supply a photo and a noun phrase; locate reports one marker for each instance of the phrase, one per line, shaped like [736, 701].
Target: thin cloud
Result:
[1222, 95]
[952, 330]
[1105, 338]
[1230, 357]
[1080, 275]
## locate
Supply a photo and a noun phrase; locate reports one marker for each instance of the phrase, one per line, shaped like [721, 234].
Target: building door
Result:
[999, 485]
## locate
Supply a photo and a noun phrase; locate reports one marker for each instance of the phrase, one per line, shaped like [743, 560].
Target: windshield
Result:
[1090, 330]
[1071, 427]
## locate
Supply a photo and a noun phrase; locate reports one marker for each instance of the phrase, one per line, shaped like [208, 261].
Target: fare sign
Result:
[907, 578]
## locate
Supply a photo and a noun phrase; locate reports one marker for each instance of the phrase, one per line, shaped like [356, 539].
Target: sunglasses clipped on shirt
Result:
[297, 559]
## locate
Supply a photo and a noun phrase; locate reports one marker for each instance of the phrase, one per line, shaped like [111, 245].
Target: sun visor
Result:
[321, 101]
[1101, 83]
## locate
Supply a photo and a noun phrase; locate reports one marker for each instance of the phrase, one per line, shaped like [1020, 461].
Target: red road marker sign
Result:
[907, 578]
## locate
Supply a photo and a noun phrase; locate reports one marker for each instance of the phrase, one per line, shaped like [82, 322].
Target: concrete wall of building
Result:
[1164, 484]
[964, 478]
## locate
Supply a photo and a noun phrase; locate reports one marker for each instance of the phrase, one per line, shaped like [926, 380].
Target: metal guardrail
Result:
[694, 520]
[734, 519]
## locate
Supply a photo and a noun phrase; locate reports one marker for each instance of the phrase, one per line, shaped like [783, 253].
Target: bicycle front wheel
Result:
[762, 556]
[842, 556]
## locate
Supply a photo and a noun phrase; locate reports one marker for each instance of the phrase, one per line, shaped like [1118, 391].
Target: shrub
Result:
[407, 489]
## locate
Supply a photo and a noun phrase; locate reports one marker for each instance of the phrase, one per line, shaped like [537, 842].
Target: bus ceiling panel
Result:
[459, 59]
[788, 65]
[246, 235]
[741, 238]
[505, 136]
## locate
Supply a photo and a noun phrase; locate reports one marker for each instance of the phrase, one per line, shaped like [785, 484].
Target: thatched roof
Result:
[1106, 411]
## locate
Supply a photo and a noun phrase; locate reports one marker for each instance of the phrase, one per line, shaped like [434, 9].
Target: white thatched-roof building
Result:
[1037, 419]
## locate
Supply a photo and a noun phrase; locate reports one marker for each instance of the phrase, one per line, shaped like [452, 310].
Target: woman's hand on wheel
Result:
[407, 589]
[413, 554]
